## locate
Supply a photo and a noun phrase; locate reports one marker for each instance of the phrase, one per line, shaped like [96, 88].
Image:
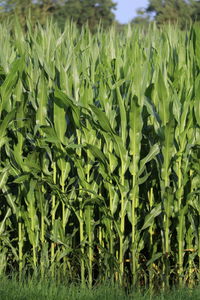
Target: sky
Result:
[126, 9]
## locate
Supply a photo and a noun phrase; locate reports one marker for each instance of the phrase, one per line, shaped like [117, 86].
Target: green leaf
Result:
[42, 99]
[102, 119]
[10, 82]
[5, 123]
[22, 178]
[97, 153]
[163, 99]
[3, 177]
[154, 258]
[64, 101]
[155, 149]
[2, 223]
[156, 211]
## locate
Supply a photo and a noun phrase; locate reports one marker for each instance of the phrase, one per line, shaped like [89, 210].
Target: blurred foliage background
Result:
[94, 11]
[80, 11]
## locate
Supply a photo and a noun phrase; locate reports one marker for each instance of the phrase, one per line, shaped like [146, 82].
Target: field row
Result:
[100, 154]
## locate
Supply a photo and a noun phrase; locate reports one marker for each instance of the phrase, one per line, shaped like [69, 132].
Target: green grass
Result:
[11, 289]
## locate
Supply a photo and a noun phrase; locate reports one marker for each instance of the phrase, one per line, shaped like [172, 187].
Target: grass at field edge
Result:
[11, 289]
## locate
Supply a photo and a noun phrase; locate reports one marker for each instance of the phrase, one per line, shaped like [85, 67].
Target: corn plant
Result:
[100, 151]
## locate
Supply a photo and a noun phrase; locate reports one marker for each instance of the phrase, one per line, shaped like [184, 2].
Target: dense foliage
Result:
[80, 11]
[100, 153]
[92, 12]
[179, 12]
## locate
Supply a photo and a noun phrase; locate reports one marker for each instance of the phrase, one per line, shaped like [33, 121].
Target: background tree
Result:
[91, 11]
[142, 18]
[81, 11]
[195, 10]
[38, 10]
[170, 11]
[173, 11]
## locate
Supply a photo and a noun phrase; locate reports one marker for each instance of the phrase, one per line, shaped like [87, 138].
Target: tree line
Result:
[173, 11]
[80, 11]
[92, 11]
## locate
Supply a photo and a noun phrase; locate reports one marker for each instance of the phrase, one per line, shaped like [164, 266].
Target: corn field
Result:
[100, 154]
